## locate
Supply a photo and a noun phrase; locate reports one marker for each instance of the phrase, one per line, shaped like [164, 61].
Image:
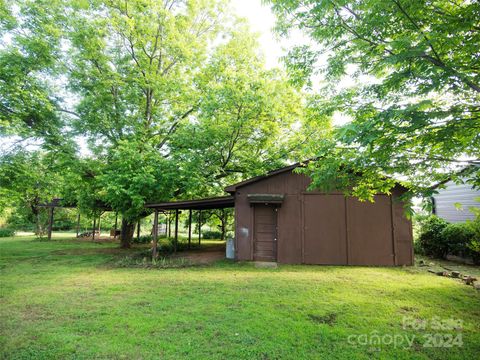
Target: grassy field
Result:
[67, 299]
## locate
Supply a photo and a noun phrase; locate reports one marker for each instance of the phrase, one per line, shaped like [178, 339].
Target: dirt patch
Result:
[100, 251]
[424, 264]
[101, 239]
[203, 256]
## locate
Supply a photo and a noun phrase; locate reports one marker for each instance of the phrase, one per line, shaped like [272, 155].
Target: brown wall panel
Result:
[325, 232]
[370, 232]
[289, 244]
[402, 231]
[243, 228]
[285, 183]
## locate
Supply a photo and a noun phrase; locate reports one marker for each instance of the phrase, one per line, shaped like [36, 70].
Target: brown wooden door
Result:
[265, 233]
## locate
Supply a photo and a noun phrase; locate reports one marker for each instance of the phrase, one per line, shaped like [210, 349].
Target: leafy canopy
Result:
[171, 98]
[414, 101]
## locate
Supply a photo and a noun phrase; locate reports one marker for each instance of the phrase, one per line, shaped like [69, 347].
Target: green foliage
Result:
[457, 236]
[6, 232]
[144, 239]
[431, 240]
[414, 97]
[171, 99]
[243, 122]
[439, 238]
[474, 244]
[28, 102]
[28, 179]
[211, 234]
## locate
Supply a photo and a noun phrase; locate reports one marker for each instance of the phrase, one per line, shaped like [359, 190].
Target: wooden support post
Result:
[94, 226]
[155, 234]
[200, 227]
[169, 225]
[189, 228]
[138, 230]
[116, 225]
[50, 223]
[224, 220]
[78, 224]
[176, 231]
[99, 226]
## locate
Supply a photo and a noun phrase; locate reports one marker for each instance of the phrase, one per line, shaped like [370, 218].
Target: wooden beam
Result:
[200, 227]
[78, 224]
[169, 225]
[50, 223]
[155, 234]
[189, 228]
[176, 231]
[224, 220]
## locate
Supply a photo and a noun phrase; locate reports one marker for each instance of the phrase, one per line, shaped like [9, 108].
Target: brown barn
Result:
[277, 219]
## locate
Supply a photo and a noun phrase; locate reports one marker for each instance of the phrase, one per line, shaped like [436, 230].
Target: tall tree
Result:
[133, 64]
[415, 100]
[29, 179]
[244, 120]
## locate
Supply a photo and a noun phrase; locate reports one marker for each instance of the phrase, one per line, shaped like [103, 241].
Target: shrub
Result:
[474, 244]
[439, 238]
[417, 247]
[211, 234]
[144, 239]
[6, 232]
[456, 238]
[430, 240]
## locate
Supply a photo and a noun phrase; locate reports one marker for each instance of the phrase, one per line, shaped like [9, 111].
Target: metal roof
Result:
[200, 204]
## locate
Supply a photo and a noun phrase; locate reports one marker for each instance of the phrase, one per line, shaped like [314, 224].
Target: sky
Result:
[262, 21]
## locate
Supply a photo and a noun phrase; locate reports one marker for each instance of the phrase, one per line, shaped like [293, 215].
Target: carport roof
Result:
[200, 204]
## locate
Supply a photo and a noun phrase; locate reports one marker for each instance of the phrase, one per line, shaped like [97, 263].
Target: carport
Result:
[62, 204]
[190, 205]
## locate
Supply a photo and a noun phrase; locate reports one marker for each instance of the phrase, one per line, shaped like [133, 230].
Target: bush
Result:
[6, 232]
[144, 239]
[474, 244]
[456, 238]
[430, 240]
[211, 234]
[439, 238]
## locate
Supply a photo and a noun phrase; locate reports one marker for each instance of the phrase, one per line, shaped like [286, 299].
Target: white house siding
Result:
[453, 193]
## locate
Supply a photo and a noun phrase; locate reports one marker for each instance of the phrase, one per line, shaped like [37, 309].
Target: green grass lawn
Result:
[66, 299]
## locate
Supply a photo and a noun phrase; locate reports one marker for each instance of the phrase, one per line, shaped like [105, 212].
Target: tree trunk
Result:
[38, 222]
[224, 223]
[126, 236]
